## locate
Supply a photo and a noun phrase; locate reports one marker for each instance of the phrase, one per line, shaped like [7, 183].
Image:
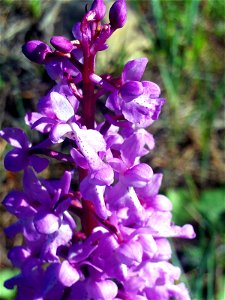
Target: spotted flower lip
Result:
[101, 230]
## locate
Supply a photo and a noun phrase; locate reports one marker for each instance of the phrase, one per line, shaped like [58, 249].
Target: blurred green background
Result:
[184, 42]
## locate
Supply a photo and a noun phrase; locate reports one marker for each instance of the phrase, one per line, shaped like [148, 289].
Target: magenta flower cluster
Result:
[107, 236]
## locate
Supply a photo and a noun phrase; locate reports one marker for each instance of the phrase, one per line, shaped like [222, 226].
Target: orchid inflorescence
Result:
[107, 238]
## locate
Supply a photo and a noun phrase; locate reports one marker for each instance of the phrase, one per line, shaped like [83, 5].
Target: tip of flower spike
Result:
[61, 44]
[36, 51]
[118, 14]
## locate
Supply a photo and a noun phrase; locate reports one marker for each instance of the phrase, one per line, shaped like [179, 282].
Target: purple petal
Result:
[114, 103]
[99, 7]
[61, 107]
[46, 223]
[34, 189]
[63, 89]
[102, 290]
[132, 148]
[62, 206]
[32, 117]
[18, 255]
[32, 237]
[130, 253]
[45, 107]
[77, 53]
[18, 204]
[161, 203]
[153, 89]
[15, 137]
[131, 90]
[56, 68]
[78, 291]
[138, 176]
[95, 194]
[141, 111]
[179, 291]
[185, 231]
[61, 44]
[58, 132]
[103, 175]
[90, 142]
[13, 229]
[57, 239]
[149, 139]
[80, 252]
[76, 31]
[91, 139]
[117, 164]
[164, 249]
[119, 196]
[148, 244]
[36, 51]
[44, 124]
[39, 163]
[134, 69]
[158, 106]
[151, 189]
[160, 222]
[118, 14]
[79, 159]
[68, 275]
[64, 183]
[16, 160]
[51, 283]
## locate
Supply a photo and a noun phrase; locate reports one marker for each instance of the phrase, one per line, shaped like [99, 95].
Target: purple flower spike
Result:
[36, 51]
[61, 44]
[101, 230]
[98, 6]
[118, 14]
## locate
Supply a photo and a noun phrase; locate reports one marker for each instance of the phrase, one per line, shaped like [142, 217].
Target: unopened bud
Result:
[61, 44]
[36, 51]
[118, 14]
[98, 6]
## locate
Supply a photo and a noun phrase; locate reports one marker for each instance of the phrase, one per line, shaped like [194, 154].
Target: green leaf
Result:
[180, 199]
[212, 204]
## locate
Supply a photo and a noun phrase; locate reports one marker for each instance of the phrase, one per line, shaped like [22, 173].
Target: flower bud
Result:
[98, 6]
[118, 14]
[36, 51]
[61, 44]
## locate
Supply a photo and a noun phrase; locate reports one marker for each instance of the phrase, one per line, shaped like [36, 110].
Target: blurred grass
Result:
[184, 41]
